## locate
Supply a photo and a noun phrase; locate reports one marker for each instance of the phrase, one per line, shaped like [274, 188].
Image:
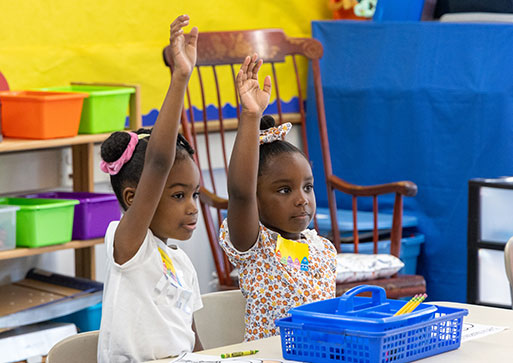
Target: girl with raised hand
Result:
[281, 263]
[151, 289]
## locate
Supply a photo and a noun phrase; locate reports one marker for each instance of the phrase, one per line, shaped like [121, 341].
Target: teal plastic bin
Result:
[105, 109]
[86, 319]
[42, 222]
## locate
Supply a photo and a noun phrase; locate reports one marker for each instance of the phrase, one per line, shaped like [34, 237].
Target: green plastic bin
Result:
[105, 109]
[42, 222]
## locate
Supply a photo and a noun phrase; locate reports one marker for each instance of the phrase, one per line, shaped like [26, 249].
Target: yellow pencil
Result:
[417, 303]
[405, 306]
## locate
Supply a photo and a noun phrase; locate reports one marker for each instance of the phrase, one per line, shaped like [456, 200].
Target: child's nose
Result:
[192, 208]
[301, 200]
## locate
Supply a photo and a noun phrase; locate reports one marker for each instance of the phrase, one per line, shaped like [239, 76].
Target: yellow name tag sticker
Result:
[293, 254]
[168, 266]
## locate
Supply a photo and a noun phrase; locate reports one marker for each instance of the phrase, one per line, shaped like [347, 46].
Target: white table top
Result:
[492, 348]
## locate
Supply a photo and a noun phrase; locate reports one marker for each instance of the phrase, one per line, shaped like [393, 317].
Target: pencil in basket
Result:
[412, 304]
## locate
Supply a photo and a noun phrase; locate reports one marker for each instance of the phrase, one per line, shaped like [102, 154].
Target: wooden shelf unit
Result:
[23, 252]
[82, 147]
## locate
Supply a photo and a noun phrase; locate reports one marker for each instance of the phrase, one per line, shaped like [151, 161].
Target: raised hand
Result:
[252, 98]
[183, 51]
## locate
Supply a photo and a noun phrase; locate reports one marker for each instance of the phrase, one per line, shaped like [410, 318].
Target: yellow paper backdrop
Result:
[53, 42]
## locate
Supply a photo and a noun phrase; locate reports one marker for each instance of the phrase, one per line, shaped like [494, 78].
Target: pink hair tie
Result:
[274, 133]
[114, 167]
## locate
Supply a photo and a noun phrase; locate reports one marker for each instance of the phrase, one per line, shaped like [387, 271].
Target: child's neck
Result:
[287, 235]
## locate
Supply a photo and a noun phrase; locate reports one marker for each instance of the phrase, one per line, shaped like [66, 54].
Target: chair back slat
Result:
[397, 226]
[277, 91]
[302, 113]
[221, 119]
[375, 218]
[237, 105]
[223, 267]
[189, 131]
[355, 224]
[191, 122]
[205, 130]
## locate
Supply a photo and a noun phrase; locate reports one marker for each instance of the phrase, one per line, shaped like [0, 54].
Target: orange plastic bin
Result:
[41, 114]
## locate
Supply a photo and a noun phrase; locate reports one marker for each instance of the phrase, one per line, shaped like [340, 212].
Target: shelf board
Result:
[11, 145]
[23, 252]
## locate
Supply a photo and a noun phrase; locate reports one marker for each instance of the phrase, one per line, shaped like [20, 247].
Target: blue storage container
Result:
[398, 10]
[365, 330]
[410, 250]
[365, 221]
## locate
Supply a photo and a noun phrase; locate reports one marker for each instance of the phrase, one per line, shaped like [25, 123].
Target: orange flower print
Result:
[271, 288]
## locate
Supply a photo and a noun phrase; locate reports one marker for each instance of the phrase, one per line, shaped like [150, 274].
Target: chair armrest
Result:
[212, 199]
[406, 188]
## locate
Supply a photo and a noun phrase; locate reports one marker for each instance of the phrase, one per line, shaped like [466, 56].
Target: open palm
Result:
[183, 50]
[252, 98]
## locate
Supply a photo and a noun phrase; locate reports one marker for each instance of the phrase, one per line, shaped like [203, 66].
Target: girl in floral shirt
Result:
[271, 202]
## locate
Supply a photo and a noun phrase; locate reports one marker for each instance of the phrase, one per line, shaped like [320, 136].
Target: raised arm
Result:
[242, 174]
[160, 153]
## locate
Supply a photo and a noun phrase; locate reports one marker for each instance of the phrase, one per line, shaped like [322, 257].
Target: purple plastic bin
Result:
[92, 215]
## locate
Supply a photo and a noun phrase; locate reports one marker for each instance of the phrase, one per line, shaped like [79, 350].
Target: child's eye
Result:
[196, 195]
[284, 190]
[308, 188]
[178, 195]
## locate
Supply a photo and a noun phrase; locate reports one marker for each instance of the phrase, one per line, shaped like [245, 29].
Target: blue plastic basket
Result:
[360, 337]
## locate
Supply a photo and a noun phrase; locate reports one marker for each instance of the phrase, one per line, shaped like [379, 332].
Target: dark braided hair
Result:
[271, 149]
[130, 173]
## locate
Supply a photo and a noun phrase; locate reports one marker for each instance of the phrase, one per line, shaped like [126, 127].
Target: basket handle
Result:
[346, 301]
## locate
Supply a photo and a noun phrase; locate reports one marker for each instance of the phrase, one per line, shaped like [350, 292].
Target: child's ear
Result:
[128, 196]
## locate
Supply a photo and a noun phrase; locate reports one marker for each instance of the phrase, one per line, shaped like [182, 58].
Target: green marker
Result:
[239, 354]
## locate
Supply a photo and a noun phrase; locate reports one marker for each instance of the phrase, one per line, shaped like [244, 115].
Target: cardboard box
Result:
[43, 296]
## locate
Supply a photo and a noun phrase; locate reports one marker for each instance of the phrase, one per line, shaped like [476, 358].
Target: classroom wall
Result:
[60, 41]
[54, 42]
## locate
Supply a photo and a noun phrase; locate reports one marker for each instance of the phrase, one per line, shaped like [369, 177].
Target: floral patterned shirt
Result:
[272, 288]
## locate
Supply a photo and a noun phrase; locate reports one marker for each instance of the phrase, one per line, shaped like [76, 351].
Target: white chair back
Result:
[221, 321]
[79, 348]
[508, 262]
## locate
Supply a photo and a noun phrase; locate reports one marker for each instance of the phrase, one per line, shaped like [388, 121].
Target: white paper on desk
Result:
[201, 358]
[475, 331]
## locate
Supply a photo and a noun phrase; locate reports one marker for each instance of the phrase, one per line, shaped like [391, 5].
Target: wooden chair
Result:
[223, 52]
[4, 86]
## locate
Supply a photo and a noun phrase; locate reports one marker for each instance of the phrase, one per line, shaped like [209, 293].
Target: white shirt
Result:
[146, 314]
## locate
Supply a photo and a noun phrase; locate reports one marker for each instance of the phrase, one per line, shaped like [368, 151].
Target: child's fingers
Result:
[267, 85]
[244, 65]
[241, 76]
[179, 22]
[176, 33]
[193, 36]
[256, 68]
[252, 65]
